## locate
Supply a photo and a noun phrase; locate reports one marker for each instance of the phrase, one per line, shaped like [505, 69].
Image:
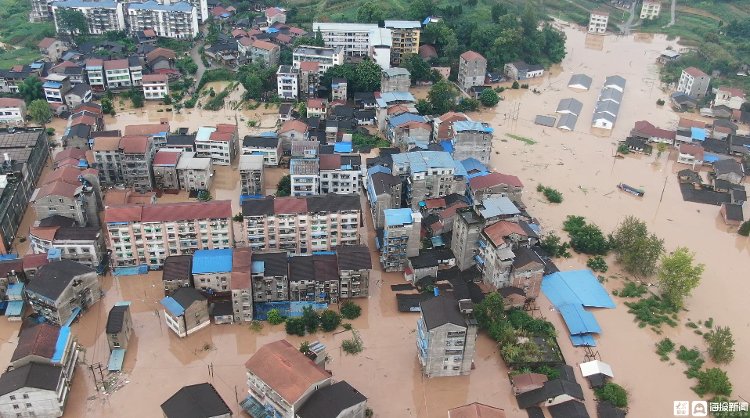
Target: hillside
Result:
[19, 36]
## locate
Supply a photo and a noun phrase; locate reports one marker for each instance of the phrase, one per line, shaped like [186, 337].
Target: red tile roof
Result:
[11, 102]
[494, 179]
[690, 123]
[695, 72]
[297, 31]
[220, 136]
[273, 11]
[155, 78]
[652, 131]
[38, 340]
[289, 205]
[164, 157]
[293, 125]
[83, 120]
[733, 92]
[264, 45]
[316, 103]
[226, 127]
[106, 143]
[434, 203]
[94, 62]
[691, 149]
[76, 153]
[34, 261]
[472, 56]
[58, 188]
[149, 32]
[330, 161]
[147, 129]
[284, 39]
[46, 233]
[237, 32]
[476, 410]
[116, 64]
[161, 52]
[450, 211]
[46, 43]
[309, 66]
[134, 144]
[427, 51]
[245, 41]
[498, 231]
[67, 174]
[169, 212]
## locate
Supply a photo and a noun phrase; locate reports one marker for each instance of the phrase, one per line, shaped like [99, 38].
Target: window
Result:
[28, 405]
[12, 397]
[26, 396]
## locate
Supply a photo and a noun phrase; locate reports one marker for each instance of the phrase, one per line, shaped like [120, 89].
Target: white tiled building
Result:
[12, 112]
[650, 9]
[155, 86]
[220, 143]
[326, 57]
[287, 81]
[598, 20]
[194, 173]
[177, 20]
[102, 15]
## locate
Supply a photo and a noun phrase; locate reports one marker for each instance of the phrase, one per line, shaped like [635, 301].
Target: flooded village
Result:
[155, 249]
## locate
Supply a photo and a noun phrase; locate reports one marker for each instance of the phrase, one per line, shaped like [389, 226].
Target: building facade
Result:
[59, 303]
[186, 311]
[178, 20]
[395, 79]
[101, 16]
[472, 140]
[405, 35]
[220, 143]
[325, 57]
[400, 238]
[472, 68]
[694, 83]
[446, 336]
[650, 9]
[287, 81]
[598, 20]
[194, 173]
[155, 86]
[251, 174]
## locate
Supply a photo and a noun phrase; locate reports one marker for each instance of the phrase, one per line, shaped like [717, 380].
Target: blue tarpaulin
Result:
[581, 340]
[73, 315]
[342, 147]
[212, 261]
[578, 320]
[14, 308]
[172, 306]
[116, 357]
[62, 342]
[131, 271]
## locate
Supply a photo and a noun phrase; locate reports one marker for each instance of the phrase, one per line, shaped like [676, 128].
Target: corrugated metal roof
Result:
[468, 125]
[172, 306]
[400, 216]
[420, 161]
[212, 261]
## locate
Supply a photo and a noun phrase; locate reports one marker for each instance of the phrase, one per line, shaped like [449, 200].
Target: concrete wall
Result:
[61, 205]
[44, 403]
[459, 356]
[472, 144]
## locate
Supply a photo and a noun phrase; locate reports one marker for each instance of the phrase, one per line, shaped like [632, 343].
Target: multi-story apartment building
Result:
[354, 263]
[84, 245]
[304, 174]
[40, 11]
[694, 83]
[405, 34]
[380, 47]
[156, 132]
[267, 145]
[95, 74]
[55, 87]
[325, 57]
[186, 311]
[101, 15]
[314, 278]
[177, 273]
[352, 38]
[165, 169]
[123, 73]
[340, 173]
[309, 78]
[212, 270]
[302, 224]
[472, 68]
[136, 157]
[270, 277]
[178, 20]
[25, 156]
[598, 20]
[201, 7]
[383, 192]
[428, 174]
[446, 336]
[400, 238]
[287, 81]
[264, 53]
[472, 140]
[108, 159]
[194, 173]
[155, 86]
[69, 193]
[12, 112]
[147, 234]
[220, 143]
[339, 89]
[251, 174]
[495, 255]
[650, 9]
[63, 289]
[395, 79]
[241, 285]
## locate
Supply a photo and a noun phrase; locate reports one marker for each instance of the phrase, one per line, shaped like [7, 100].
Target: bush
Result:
[663, 348]
[274, 317]
[489, 98]
[350, 310]
[597, 263]
[329, 320]
[692, 358]
[714, 381]
[551, 244]
[585, 238]
[613, 393]
[720, 344]
[352, 346]
[311, 319]
[660, 102]
[552, 195]
[295, 326]
[744, 229]
[633, 290]
[515, 85]
[623, 149]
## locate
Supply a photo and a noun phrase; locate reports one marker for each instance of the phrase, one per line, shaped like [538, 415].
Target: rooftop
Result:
[31, 375]
[441, 310]
[52, 279]
[195, 401]
[177, 267]
[116, 318]
[212, 261]
[394, 217]
[38, 340]
[331, 401]
[169, 212]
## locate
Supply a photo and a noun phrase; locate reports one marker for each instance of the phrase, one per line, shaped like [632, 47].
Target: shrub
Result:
[744, 229]
[613, 393]
[329, 320]
[274, 317]
[597, 263]
[311, 319]
[350, 310]
[714, 381]
[256, 326]
[663, 348]
[623, 149]
[660, 102]
[720, 344]
[692, 359]
[515, 85]
[633, 290]
[552, 195]
[295, 326]
[584, 237]
[551, 244]
[352, 346]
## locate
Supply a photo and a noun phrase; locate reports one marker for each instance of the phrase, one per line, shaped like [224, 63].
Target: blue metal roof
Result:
[15, 308]
[212, 261]
[269, 134]
[472, 164]
[51, 85]
[116, 358]
[103, 4]
[4, 257]
[394, 96]
[576, 286]
[342, 147]
[152, 5]
[447, 145]
[459, 170]
[272, 30]
[420, 161]
[400, 216]
[258, 266]
[378, 169]
[404, 118]
[172, 306]
[699, 134]
[73, 315]
[467, 125]
[498, 205]
[15, 289]
[62, 342]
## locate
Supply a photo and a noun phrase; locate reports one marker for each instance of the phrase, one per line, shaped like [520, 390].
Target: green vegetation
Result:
[635, 249]
[259, 81]
[527, 141]
[585, 237]
[256, 326]
[360, 77]
[284, 188]
[633, 290]
[678, 276]
[353, 346]
[39, 112]
[552, 245]
[720, 344]
[72, 21]
[489, 98]
[311, 319]
[419, 69]
[664, 348]
[552, 195]
[653, 311]
[20, 35]
[692, 358]
[31, 89]
[217, 100]
[186, 65]
[613, 393]
[274, 317]
[350, 310]
[714, 381]
[597, 263]
[204, 196]
[467, 105]
[295, 326]
[744, 229]
[329, 320]
[623, 149]
[442, 97]
[360, 140]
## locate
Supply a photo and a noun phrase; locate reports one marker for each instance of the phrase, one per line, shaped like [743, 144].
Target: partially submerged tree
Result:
[678, 275]
[720, 344]
[635, 249]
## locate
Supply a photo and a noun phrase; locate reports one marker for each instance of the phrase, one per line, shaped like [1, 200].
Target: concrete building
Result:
[314, 278]
[275, 15]
[119, 326]
[354, 265]
[147, 234]
[383, 192]
[400, 238]
[71, 193]
[212, 270]
[268, 146]
[284, 393]
[404, 129]
[339, 400]
[108, 160]
[598, 20]
[84, 245]
[12, 112]
[201, 399]
[302, 224]
[264, 53]
[95, 74]
[270, 277]
[520, 70]
[395, 79]
[527, 272]
[251, 174]
[472, 68]
[40, 11]
[24, 157]
[339, 89]
[178, 20]
[185, 311]
[155, 86]
[220, 143]
[287, 82]
[177, 273]
[650, 9]
[428, 174]
[194, 173]
[325, 57]
[136, 157]
[472, 140]
[340, 173]
[309, 79]
[380, 47]
[495, 184]
[101, 15]
[352, 38]
[725, 96]
[304, 174]
[694, 83]
[446, 336]
[61, 290]
[405, 35]
[52, 48]
[165, 169]
[241, 285]
[495, 255]
[55, 88]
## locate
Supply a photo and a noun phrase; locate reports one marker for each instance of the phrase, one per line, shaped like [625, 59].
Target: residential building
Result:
[119, 326]
[12, 112]
[287, 81]
[281, 379]
[309, 78]
[694, 83]
[446, 336]
[292, 130]
[352, 38]
[11, 279]
[212, 270]
[95, 74]
[101, 15]
[108, 160]
[472, 68]
[316, 108]
[730, 170]
[495, 184]
[304, 175]
[405, 128]
[520, 70]
[325, 57]
[251, 174]
[35, 389]
[383, 192]
[61, 290]
[495, 256]
[527, 272]
[690, 154]
[268, 146]
[155, 86]
[270, 277]
[55, 87]
[71, 194]
[25, 156]
[136, 232]
[650, 9]
[177, 20]
[201, 6]
[354, 265]
[380, 41]
[729, 97]
[52, 48]
[11, 79]
[395, 79]
[302, 224]
[387, 103]
[476, 410]
[275, 15]
[314, 278]
[644, 129]
[405, 35]
[201, 400]
[339, 89]
[185, 311]
[181, 141]
[428, 174]
[77, 95]
[194, 173]
[165, 169]
[340, 173]
[241, 285]
[598, 20]
[219, 143]
[84, 245]
[177, 273]
[400, 238]
[264, 53]
[40, 11]
[136, 157]
[117, 74]
[472, 140]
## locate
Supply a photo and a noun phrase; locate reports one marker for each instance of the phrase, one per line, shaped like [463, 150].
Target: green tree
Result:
[424, 107]
[636, 249]
[350, 310]
[714, 381]
[489, 98]
[467, 105]
[419, 69]
[186, 65]
[284, 188]
[552, 244]
[367, 76]
[72, 21]
[304, 347]
[370, 12]
[490, 310]
[744, 229]
[274, 317]
[597, 263]
[442, 36]
[420, 9]
[660, 148]
[720, 344]
[678, 276]
[497, 11]
[554, 44]
[613, 393]
[253, 86]
[39, 112]
[31, 89]
[442, 96]
[584, 237]
[329, 320]
[311, 319]
[136, 97]
[295, 326]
